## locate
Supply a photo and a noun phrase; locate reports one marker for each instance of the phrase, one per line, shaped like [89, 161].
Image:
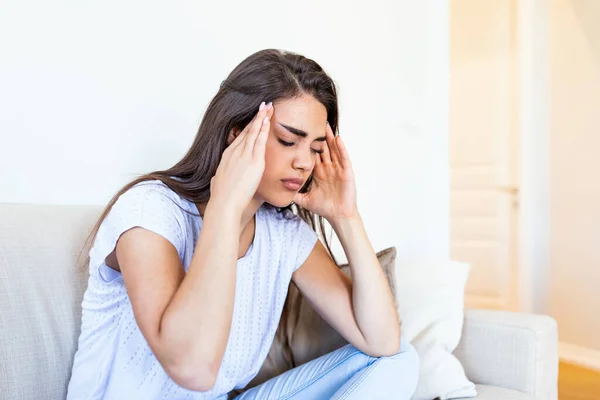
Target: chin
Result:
[278, 199]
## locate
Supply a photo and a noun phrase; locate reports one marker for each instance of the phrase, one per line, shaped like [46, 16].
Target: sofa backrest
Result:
[41, 288]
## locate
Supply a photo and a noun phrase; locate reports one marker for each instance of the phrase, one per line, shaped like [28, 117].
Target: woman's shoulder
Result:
[152, 195]
[149, 188]
[151, 205]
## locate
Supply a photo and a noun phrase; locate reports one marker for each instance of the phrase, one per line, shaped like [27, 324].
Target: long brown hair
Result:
[267, 75]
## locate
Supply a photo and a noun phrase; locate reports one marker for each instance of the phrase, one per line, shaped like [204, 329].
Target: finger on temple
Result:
[260, 144]
[254, 127]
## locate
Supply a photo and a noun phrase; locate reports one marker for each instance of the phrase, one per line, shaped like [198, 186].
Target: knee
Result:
[408, 354]
[406, 363]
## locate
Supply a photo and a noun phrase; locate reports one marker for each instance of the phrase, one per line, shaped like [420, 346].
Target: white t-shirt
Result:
[114, 361]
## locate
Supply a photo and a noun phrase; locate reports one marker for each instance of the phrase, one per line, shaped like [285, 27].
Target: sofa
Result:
[507, 355]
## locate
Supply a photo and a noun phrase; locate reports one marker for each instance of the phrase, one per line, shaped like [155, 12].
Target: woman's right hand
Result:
[242, 165]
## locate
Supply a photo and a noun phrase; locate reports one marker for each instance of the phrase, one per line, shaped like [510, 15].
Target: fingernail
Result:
[262, 106]
[265, 120]
[269, 105]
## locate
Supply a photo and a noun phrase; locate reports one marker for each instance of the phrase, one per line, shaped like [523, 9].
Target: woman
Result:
[190, 266]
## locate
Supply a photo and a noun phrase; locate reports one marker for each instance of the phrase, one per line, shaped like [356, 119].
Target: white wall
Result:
[575, 176]
[94, 93]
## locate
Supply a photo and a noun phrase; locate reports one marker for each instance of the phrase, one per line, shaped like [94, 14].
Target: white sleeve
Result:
[148, 206]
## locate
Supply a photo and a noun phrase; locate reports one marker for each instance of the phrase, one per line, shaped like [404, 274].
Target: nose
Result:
[304, 159]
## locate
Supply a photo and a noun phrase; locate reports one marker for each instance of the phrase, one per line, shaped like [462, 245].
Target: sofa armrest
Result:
[512, 350]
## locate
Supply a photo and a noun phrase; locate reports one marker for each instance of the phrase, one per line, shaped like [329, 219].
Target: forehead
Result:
[304, 113]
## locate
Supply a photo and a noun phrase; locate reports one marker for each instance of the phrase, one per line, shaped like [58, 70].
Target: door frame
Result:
[533, 161]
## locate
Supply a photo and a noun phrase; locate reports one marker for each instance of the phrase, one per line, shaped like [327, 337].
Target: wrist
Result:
[345, 219]
[346, 223]
[223, 210]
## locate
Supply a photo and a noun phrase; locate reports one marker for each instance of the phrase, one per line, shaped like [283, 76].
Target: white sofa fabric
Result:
[519, 351]
[508, 355]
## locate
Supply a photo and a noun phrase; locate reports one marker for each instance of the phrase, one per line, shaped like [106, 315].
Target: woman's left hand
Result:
[333, 191]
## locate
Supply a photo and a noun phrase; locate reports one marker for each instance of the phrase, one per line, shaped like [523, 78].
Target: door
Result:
[483, 149]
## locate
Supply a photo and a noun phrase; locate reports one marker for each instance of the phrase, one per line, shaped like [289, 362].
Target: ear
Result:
[233, 133]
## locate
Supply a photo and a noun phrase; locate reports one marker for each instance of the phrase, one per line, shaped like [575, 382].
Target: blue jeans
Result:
[346, 373]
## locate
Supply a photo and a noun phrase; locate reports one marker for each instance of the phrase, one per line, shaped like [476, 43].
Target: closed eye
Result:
[288, 144]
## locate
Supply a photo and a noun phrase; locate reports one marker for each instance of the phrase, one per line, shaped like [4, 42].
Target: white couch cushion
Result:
[511, 350]
[486, 392]
[40, 296]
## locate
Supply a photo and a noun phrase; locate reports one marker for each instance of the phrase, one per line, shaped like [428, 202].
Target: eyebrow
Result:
[300, 132]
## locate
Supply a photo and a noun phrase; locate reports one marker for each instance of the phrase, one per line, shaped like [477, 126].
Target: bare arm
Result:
[360, 309]
[185, 318]
[372, 299]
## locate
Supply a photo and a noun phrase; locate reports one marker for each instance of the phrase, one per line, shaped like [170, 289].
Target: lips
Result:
[292, 183]
[297, 181]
